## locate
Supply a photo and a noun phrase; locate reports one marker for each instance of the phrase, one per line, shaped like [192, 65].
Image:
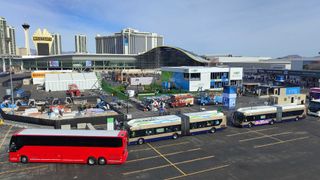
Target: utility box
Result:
[229, 96]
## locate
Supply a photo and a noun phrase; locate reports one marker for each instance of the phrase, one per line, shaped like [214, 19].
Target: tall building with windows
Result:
[3, 34]
[128, 41]
[56, 48]
[11, 40]
[7, 38]
[80, 43]
[42, 40]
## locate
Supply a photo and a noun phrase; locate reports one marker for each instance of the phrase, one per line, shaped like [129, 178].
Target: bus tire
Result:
[212, 130]
[91, 161]
[175, 136]
[140, 141]
[297, 119]
[102, 161]
[24, 159]
[250, 125]
[271, 122]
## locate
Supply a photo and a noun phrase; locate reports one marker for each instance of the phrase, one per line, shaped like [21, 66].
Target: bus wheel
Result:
[297, 119]
[213, 130]
[250, 125]
[271, 122]
[91, 161]
[175, 136]
[101, 161]
[24, 159]
[140, 141]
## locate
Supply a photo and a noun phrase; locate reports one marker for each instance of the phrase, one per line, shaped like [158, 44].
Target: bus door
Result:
[185, 126]
[279, 114]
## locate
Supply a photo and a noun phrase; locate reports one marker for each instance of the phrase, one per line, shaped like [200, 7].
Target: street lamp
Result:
[199, 90]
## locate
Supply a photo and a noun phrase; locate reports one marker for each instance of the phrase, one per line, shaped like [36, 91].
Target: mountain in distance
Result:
[295, 56]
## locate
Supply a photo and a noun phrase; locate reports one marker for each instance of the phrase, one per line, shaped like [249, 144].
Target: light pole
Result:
[200, 90]
[12, 98]
[127, 103]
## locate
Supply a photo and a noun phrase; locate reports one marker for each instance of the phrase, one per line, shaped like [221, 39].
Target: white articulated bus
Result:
[172, 126]
[258, 115]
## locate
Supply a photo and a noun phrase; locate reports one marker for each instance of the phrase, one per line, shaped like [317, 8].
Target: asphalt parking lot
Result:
[281, 151]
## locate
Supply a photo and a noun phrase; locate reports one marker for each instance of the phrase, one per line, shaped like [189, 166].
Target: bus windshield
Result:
[314, 106]
[239, 117]
[13, 144]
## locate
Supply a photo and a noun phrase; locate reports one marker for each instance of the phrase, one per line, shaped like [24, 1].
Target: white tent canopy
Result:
[60, 82]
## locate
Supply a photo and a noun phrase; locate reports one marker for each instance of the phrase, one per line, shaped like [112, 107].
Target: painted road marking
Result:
[168, 154]
[269, 136]
[168, 165]
[261, 137]
[198, 172]
[166, 159]
[23, 169]
[280, 142]
[159, 147]
[5, 136]
[250, 131]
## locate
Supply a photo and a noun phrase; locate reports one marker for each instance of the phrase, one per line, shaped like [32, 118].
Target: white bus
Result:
[314, 108]
[172, 126]
[258, 115]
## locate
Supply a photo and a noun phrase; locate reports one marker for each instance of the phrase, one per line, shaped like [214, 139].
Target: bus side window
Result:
[132, 134]
[168, 129]
[217, 122]
[193, 125]
[177, 128]
[149, 132]
[159, 130]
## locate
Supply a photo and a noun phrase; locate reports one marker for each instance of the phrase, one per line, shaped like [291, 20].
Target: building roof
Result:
[59, 132]
[190, 69]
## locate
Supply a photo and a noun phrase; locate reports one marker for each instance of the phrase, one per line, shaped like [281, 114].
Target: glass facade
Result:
[155, 58]
[166, 56]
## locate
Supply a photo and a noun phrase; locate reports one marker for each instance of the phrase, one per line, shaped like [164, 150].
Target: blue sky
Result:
[240, 27]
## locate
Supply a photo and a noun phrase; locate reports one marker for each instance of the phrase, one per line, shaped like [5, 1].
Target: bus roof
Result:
[203, 114]
[154, 120]
[291, 106]
[256, 109]
[59, 132]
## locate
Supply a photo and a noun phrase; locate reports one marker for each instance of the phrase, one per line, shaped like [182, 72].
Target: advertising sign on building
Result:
[236, 73]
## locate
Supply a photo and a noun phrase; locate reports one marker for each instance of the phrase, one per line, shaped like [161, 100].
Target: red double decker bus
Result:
[69, 146]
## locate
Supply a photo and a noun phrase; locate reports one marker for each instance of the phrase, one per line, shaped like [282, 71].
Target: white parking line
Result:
[281, 142]
[264, 136]
[199, 172]
[269, 136]
[250, 131]
[5, 136]
[157, 156]
[159, 147]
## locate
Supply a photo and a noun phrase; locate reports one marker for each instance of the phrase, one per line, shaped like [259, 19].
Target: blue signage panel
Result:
[292, 90]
